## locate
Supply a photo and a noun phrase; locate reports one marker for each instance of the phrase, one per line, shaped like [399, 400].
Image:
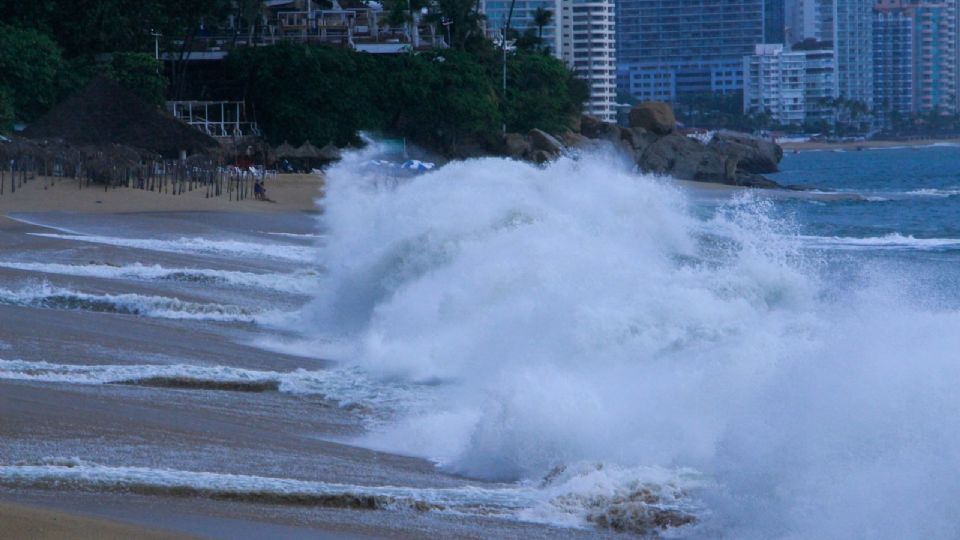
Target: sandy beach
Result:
[289, 193]
[82, 297]
[29, 523]
[863, 145]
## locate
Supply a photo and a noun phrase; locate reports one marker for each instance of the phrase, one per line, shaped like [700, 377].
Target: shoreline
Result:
[810, 146]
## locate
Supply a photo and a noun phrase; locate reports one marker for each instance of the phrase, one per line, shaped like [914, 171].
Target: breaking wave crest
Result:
[49, 297]
[300, 282]
[578, 313]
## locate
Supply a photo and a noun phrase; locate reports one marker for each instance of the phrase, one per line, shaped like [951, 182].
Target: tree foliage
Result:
[31, 70]
[444, 99]
[140, 73]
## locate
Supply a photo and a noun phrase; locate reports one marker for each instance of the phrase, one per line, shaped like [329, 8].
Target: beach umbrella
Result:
[416, 165]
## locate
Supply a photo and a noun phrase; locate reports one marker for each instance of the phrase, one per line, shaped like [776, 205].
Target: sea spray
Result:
[582, 313]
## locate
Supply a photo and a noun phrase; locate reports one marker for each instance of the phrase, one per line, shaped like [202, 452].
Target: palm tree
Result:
[541, 18]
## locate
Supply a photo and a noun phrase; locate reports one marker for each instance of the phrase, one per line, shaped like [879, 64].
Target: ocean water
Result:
[792, 361]
[576, 348]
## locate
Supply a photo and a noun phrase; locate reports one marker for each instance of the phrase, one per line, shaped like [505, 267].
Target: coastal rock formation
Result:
[753, 154]
[653, 143]
[544, 142]
[654, 116]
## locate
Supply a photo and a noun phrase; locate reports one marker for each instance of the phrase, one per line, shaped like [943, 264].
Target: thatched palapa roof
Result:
[285, 150]
[103, 112]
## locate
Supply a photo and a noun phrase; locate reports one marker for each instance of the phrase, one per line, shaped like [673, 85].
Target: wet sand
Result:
[30, 523]
[266, 434]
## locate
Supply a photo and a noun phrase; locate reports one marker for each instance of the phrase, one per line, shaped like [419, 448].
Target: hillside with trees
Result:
[450, 99]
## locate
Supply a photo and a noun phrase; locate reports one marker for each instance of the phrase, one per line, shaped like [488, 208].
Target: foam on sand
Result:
[163, 307]
[299, 282]
[198, 245]
[590, 496]
[347, 386]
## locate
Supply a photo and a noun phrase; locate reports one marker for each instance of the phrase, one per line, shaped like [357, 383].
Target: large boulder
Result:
[654, 116]
[754, 155]
[687, 159]
[543, 141]
[594, 128]
[516, 146]
[574, 140]
[638, 139]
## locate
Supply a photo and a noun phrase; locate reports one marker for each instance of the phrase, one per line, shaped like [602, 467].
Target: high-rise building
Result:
[774, 21]
[853, 41]
[581, 33]
[792, 86]
[917, 55]
[892, 61]
[801, 21]
[589, 48]
[667, 48]
[773, 83]
[522, 19]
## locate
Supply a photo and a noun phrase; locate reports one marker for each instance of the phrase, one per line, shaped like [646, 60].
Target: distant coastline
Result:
[790, 147]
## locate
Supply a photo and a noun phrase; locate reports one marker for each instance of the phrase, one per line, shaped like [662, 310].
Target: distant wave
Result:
[640, 500]
[198, 245]
[305, 236]
[890, 241]
[47, 296]
[300, 282]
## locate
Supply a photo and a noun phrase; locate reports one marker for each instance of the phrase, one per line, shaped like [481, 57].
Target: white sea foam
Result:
[298, 282]
[579, 314]
[46, 296]
[305, 236]
[347, 386]
[235, 248]
[575, 497]
[890, 241]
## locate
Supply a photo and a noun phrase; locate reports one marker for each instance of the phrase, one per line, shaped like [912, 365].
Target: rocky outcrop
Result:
[754, 155]
[516, 146]
[652, 142]
[542, 141]
[654, 116]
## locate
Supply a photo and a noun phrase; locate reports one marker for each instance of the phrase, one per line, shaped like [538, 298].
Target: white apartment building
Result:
[582, 34]
[792, 86]
[589, 48]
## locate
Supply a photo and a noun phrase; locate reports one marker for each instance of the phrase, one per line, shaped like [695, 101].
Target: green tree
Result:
[7, 113]
[31, 67]
[140, 73]
[542, 93]
[542, 17]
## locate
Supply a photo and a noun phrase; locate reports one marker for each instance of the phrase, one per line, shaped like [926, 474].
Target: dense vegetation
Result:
[446, 99]
[449, 100]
